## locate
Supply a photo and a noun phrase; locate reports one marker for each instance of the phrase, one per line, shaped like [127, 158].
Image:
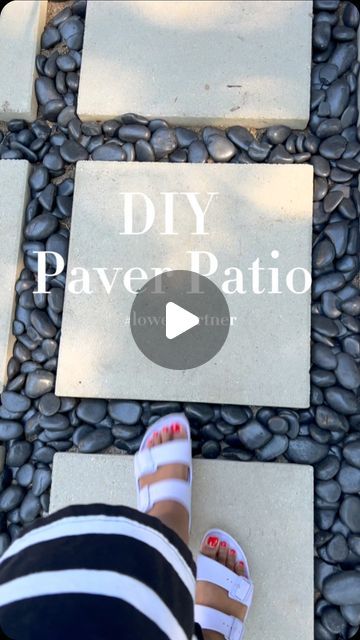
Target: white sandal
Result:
[148, 459]
[239, 588]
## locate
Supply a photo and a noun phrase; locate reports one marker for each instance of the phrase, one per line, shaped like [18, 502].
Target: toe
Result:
[231, 559]
[156, 438]
[223, 552]
[165, 434]
[210, 546]
[178, 431]
[240, 568]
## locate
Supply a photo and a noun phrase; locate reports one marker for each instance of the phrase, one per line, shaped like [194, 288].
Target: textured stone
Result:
[13, 199]
[125, 412]
[21, 26]
[304, 450]
[343, 588]
[254, 435]
[274, 354]
[91, 411]
[11, 498]
[350, 513]
[275, 502]
[131, 45]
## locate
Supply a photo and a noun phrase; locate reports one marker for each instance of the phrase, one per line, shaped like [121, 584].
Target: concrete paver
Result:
[21, 26]
[267, 507]
[197, 62]
[255, 210]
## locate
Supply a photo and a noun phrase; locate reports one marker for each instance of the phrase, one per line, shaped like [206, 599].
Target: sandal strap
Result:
[151, 458]
[238, 587]
[208, 618]
[172, 489]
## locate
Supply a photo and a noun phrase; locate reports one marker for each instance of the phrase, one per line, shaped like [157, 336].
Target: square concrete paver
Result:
[197, 62]
[256, 209]
[267, 507]
[21, 25]
[13, 200]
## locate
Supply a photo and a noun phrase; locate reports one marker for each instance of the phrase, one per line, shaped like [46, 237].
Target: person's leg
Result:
[170, 436]
[171, 513]
[175, 516]
[131, 577]
[211, 595]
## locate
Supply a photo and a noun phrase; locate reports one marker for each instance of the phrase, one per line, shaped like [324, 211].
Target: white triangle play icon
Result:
[178, 320]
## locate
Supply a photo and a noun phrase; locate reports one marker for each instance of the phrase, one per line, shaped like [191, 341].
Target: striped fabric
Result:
[100, 573]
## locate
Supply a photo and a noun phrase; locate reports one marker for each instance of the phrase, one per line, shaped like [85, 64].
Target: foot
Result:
[209, 594]
[171, 513]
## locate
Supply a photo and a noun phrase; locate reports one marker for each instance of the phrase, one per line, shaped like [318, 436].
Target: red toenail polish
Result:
[232, 551]
[166, 429]
[156, 433]
[241, 563]
[177, 428]
[223, 543]
[212, 541]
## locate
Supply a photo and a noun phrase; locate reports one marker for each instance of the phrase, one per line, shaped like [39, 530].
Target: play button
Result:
[179, 320]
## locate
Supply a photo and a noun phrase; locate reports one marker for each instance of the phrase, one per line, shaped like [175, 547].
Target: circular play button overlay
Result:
[179, 320]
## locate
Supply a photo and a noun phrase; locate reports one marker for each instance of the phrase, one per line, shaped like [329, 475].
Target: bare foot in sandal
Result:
[210, 594]
[171, 513]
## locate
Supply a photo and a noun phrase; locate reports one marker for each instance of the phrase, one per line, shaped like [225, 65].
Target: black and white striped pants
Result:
[97, 572]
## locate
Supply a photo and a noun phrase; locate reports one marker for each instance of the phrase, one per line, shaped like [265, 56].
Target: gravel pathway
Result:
[35, 424]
